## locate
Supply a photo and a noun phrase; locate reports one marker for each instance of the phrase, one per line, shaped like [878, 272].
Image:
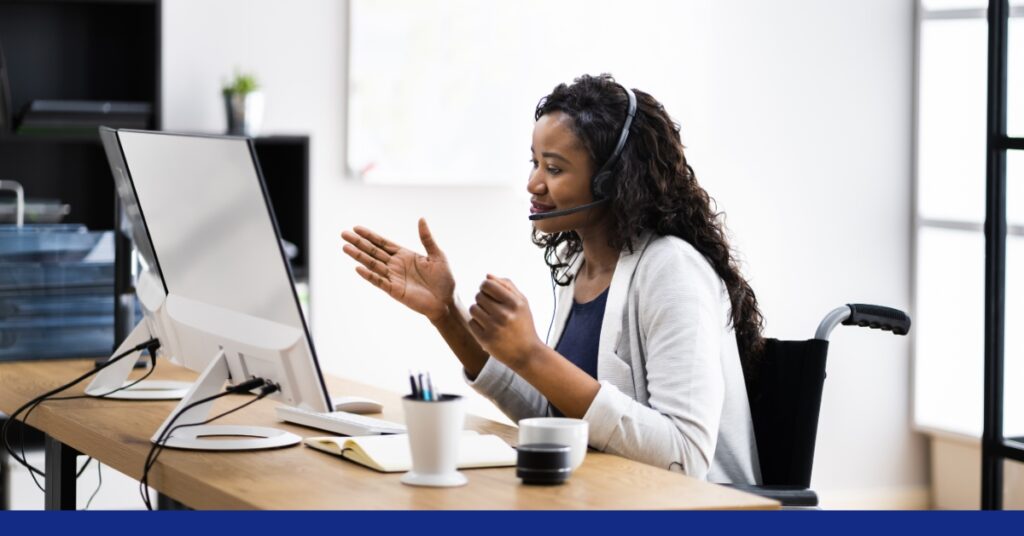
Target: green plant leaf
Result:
[242, 84]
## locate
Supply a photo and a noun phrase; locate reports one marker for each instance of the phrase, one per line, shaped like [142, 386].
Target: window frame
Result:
[995, 446]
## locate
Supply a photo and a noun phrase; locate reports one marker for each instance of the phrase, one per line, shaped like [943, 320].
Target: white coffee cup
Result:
[435, 429]
[573, 433]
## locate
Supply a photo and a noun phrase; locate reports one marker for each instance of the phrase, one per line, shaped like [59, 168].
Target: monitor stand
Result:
[197, 437]
[110, 382]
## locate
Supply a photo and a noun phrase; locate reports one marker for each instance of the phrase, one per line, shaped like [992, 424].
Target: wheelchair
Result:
[784, 391]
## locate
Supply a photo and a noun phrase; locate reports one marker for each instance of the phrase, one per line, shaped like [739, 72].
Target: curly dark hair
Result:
[655, 189]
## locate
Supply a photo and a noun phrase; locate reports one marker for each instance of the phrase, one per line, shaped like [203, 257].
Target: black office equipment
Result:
[785, 399]
[35, 210]
[5, 94]
[81, 117]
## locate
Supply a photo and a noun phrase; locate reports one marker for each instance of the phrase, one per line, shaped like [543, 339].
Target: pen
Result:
[428, 389]
[412, 384]
[432, 396]
[421, 385]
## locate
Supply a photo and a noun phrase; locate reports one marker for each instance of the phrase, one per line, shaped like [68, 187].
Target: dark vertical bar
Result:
[5, 479]
[305, 230]
[157, 91]
[995, 258]
[124, 316]
[124, 287]
[60, 475]
[163, 502]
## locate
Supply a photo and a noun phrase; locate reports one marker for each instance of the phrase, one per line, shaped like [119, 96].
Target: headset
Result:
[601, 185]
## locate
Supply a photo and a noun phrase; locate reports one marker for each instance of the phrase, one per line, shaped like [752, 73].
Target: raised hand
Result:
[501, 322]
[421, 283]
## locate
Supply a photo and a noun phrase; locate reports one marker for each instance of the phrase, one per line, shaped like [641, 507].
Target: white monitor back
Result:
[213, 234]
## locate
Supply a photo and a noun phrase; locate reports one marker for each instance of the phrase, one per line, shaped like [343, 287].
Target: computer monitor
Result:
[112, 382]
[231, 311]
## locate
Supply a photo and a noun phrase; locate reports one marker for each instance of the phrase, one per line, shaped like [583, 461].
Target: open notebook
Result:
[390, 453]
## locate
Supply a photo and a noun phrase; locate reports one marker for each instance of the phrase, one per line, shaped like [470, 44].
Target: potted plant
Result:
[243, 101]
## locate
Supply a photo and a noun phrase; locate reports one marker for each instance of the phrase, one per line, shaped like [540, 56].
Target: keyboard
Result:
[339, 422]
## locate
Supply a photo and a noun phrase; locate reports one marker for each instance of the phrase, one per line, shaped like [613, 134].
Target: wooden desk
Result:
[117, 433]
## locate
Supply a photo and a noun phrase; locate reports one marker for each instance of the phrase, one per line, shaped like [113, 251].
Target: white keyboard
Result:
[339, 422]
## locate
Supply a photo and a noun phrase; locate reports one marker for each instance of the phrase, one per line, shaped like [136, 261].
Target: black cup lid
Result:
[544, 456]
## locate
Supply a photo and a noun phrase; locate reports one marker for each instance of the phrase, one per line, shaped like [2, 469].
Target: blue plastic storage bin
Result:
[56, 292]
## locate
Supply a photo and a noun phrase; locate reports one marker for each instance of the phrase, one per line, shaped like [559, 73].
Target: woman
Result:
[654, 323]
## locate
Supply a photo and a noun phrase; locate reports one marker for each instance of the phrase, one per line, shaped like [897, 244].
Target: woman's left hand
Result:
[501, 322]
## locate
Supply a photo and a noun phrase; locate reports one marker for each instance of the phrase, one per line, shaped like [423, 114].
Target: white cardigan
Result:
[672, 391]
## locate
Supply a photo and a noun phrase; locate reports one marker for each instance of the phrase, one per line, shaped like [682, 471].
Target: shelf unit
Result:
[110, 50]
[76, 50]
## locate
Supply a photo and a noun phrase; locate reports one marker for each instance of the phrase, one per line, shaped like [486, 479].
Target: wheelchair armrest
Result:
[787, 495]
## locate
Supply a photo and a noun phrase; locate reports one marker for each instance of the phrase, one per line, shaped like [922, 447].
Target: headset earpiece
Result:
[601, 186]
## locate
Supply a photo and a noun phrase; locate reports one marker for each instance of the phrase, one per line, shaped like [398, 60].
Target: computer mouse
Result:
[356, 404]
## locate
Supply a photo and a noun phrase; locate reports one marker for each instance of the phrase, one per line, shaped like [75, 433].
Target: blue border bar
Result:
[363, 523]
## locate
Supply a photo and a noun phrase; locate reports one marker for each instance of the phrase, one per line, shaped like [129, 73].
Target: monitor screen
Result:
[215, 240]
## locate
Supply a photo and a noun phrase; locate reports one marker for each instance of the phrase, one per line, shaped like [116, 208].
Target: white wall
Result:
[810, 154]
[805, 140]
[295, 48]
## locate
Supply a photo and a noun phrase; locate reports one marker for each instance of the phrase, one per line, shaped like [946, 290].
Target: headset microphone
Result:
[600, 184]
[566, 212]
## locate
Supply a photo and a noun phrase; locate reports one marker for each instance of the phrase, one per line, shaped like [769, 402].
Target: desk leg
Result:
[164, 502]
[5, 480]
[60, 475]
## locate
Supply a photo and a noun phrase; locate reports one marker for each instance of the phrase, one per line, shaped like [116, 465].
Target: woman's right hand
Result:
[421, 283]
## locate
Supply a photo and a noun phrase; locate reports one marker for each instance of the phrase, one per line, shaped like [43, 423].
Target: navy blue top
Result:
[582, 335]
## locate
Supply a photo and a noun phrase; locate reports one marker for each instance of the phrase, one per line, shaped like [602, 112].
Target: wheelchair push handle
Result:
[878, 317]
[864, 315]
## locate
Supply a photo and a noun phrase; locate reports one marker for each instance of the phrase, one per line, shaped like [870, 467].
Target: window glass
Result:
[1013, 350]
[1015, 187]
[951, 122]
[936, 5]
[949, 324]
[945, 5]
[1015, 77]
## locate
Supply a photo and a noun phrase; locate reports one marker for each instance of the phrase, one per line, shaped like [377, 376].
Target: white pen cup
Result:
[435, 429]
[573, 433]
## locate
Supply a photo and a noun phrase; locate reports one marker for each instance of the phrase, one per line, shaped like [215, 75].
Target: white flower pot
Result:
[245, 113]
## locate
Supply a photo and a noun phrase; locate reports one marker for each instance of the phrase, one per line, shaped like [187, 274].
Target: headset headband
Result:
[624, 135]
